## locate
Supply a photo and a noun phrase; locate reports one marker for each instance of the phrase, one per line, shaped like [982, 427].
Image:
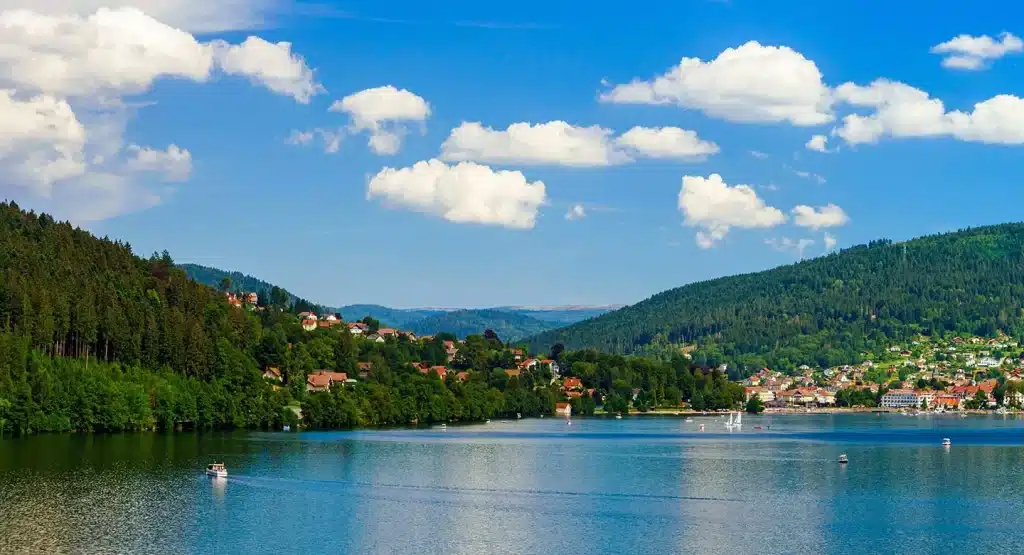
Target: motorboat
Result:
[217, 470]
[843, 459]
[946, 442]
[618, 417]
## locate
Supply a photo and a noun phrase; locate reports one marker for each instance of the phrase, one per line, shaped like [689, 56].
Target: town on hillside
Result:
[954, 374]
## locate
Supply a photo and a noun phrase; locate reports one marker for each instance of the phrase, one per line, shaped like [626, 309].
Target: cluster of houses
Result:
[239, 300]
[817, 389]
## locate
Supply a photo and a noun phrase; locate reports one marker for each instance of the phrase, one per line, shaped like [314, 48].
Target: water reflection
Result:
[531, 486]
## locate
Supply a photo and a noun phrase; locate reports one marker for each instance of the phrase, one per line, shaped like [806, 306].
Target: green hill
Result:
[509, 326]
[828, 310]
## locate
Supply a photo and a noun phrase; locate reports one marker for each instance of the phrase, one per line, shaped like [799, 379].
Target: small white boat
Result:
[286, 428]
[444, 426]
[702, 427]
[618, 417]
[568, 422]
[689, 420]
[843, 459]
[217, 470]
[946, 442]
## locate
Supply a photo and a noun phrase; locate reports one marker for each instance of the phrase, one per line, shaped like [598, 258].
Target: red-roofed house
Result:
[309, 324]
[462, 376]
[318, 382]
[563, 409]
[272, 373]
[518, 354]
[572, 383]
[387, 332]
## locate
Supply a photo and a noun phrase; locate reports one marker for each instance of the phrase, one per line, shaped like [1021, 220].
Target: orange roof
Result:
[561, 405]
[318, 380]
[513, 372]
[571, 383]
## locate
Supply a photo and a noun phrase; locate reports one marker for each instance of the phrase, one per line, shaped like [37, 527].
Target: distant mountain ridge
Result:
[509, 322]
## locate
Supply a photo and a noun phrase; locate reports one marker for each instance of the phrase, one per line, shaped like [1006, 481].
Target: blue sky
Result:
[320, 224]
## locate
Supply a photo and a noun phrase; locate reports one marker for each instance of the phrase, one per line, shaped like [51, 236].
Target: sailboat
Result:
[729, 424]
[739, 419]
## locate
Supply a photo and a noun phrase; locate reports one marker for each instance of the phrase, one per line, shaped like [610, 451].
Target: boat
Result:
[444, 426]
[286, 428]
[739, 419]
[758, 428]
[217, 470]
[702, 427]
[618, 417]
[946, 442]
[688, 420]
[843, 459]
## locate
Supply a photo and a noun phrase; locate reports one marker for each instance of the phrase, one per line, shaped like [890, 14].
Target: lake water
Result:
[636, 485]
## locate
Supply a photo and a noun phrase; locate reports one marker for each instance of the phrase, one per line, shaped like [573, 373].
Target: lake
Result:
[636, 485]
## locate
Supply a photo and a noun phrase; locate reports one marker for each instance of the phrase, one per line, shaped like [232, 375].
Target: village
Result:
[962, 373]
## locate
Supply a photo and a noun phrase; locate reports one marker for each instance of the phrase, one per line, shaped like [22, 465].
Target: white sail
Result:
[739, 418]
[728, 424]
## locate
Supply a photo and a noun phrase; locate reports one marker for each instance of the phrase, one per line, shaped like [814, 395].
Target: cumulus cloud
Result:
[175, 163]
[714, 207]
[972, 53]
[552, 143]
[272, 65]
[384, 112]
[41, 142]
[557, 143]
[750, 83]
[64, 80]
[196, 16]
[830, 242]
[667, 142]
[785, 244]
[576, 212]
[462, 193]
[818, 143]
[817, 218]
[899, 110]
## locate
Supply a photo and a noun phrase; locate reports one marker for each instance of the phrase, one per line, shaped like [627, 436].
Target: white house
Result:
[563, 409]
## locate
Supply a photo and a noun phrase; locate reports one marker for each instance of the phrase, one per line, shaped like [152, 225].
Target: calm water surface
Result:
[637, 485]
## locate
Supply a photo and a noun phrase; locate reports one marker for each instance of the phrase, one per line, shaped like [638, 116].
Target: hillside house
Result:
[563, 409]
[318, 382]
[272, 373]
[309, 324]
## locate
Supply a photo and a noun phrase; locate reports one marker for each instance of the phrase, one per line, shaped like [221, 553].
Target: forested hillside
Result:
[94, 338]
[826, 311]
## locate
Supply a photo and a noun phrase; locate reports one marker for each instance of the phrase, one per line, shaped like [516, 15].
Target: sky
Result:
[473, 154]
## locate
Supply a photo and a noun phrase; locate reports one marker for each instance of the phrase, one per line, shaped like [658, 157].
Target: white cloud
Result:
[750, 83]
[196, 16]
[551, 143]
[714, 207]
[758, 154]
[272, 65]
[785, 244]
[64, 80]
[667, 142]
[830, 242]
[971, 53]
[109, 52]
[41, 142]
[818, 143]
[461, 193]
[383, 112]
[902, 111]
[576, 212]
[331, 139]
[557, 143]
[175, 163]
[827, 216]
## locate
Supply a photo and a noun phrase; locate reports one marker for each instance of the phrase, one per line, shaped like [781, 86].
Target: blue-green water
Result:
[637, 485]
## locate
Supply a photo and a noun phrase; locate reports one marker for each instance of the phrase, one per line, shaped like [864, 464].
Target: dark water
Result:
[637, 485]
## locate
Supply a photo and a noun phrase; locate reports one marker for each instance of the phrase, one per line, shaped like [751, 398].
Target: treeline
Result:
[826, 311]
[646, 383]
